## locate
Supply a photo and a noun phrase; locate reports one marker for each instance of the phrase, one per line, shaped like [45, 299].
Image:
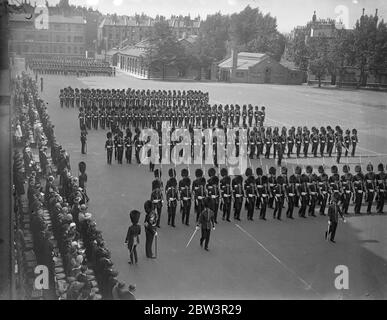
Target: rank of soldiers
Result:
[70, 66]
[148, 109]
[309, 192]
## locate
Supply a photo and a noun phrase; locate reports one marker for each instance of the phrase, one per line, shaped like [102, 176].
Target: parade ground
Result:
[286, 259]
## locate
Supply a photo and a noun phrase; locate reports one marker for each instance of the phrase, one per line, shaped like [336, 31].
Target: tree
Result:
[318, 67]
[164, 49]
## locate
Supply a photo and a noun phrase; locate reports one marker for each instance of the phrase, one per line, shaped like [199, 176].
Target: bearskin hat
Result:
[172, 173]
[259, 171]
[358, 169]
[284, 170]
[134, 216]
[109, 135]
[380, 167]
[345, 168]
[82, 167]
[265, 179]
[184, 173]
[224, 172]
[155, 184]
[199, 173]
[249, 172]
[334, 169]
[211, 172]
[292, 179]
[309, 169]
[321, 169]
[354, 131]
[272, 171]
[298, 170]
[148, 206]
[370, 167]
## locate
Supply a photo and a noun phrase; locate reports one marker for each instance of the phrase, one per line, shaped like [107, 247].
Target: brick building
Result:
[246, 67]
[65, 36]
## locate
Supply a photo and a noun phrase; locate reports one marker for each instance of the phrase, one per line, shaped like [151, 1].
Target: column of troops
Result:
[68, 66]
[309, 192]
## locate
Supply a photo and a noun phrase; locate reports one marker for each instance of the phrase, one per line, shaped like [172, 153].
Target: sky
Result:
[289, 13]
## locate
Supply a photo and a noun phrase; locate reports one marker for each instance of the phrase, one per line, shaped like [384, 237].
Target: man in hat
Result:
[185, 196]
[312, 190]
[323, 189]
[290, 192]
[206, 221]
[171, 195]
[213, 192]
[262, 193]
[358, 188]
[355, 141]
[370, 186]
[272, 181]
[150, 228]
[346, 185]
[83, 141]
[157, 195]
[109, 147]
[226, 194]
[279, 196]
[132, 239]
[303, 195]
[199, 192]
[381, 178]
[333, 218]
[250, 189]
[237, 187]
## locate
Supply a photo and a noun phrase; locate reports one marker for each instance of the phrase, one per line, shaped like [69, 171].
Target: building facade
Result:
[65, 36]
[259, 68]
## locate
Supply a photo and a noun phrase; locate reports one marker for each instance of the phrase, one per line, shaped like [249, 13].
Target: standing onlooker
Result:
[150, 228]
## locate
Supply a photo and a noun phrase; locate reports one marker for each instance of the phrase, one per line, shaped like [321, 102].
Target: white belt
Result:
[259, 186]
[371, 190]
[226, 195]
[251, 195]
[264, 195]
[278, 195]
[303, 193]
[185, 198]
[238, 195]
[324, 192]
[156, 201]
[360, 191]
[213, 197]
[172, 199]
[313, 193]
[291, 194]
[271, 185]
[381, 190]
[348, 191]
[200, 197]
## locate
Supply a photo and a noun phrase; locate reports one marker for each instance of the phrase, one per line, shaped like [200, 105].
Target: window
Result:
[240, 74]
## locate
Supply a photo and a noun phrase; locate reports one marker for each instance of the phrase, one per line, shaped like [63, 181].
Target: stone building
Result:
[65, 36]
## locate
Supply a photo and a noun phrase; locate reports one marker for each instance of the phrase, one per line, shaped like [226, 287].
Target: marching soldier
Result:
[279, 195]
[213, 192]
[355, 141]
[128, 146]
[171, 196]
[315, 141]
[185, 196]
[272, 181]
[381, 178]
[83, 141]
[157, 196]
[323, 140]
[358, 188]
[298, 140]
[306, 141]
[250, 193]
[109, 147]
[290, 142]
[346, 185]
[370, 186]
[238, 196]
[290, 192]
[347, 141]
[198, 190]
[303, 194]
[333, 215]
[334, 182]
[150, 228]
[330, 141]
[312, 190]
[226, 194]
[120, 147]
[323, 188]
[262, 193]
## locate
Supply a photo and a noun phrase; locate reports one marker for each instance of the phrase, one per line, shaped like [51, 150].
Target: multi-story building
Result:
[65, 36]
[115, 30]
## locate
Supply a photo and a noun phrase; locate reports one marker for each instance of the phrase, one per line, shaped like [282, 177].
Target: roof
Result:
[63, 19]
[132, 51]
[288, 64]
[246, 60]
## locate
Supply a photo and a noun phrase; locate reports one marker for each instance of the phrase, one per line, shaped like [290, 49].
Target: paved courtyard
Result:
[249, 260]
